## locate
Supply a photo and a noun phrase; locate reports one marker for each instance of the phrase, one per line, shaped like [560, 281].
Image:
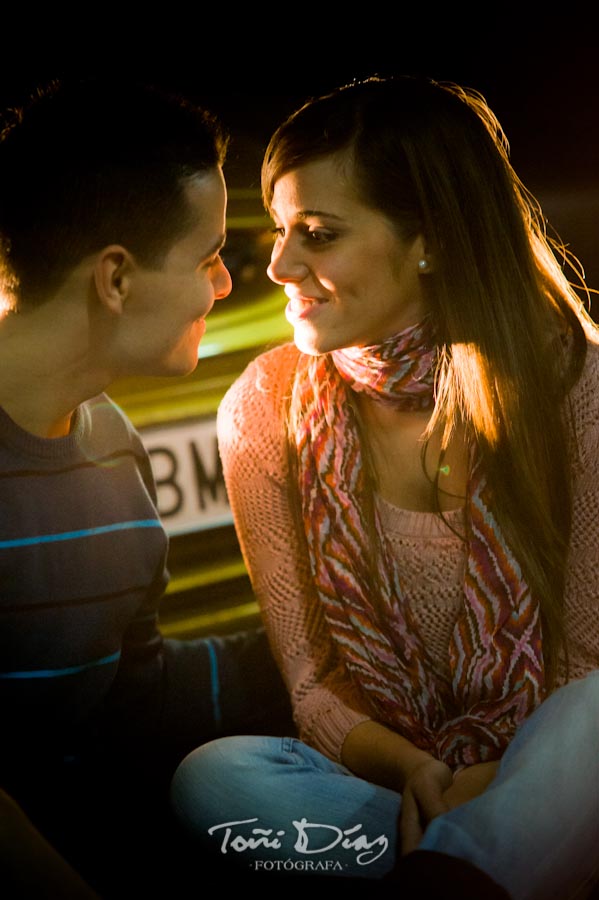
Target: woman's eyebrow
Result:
[309, 213]
[317, 213]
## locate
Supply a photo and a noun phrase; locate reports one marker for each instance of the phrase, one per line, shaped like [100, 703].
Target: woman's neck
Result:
[412, 471]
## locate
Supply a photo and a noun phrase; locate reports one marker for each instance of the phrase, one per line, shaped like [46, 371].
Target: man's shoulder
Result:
[110, 423]
[103, 407]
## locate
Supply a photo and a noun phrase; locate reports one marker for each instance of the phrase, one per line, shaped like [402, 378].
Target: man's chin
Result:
[184, 359]
[181, 369]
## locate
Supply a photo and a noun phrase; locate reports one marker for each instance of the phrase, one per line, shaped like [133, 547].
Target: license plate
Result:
[189, 478]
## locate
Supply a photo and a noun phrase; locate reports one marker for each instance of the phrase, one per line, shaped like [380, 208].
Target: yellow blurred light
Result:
[256, 324]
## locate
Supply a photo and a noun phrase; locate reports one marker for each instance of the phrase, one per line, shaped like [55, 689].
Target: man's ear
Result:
[113, 270]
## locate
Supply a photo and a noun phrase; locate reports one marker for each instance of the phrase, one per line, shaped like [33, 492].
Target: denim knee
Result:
[277, 801]
[213, 775]
[535, 829]
[568, 718]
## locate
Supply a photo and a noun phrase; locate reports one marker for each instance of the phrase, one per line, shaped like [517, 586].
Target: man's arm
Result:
[29, 865]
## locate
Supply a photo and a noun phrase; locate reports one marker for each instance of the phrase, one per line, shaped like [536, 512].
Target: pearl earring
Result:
[422, 265]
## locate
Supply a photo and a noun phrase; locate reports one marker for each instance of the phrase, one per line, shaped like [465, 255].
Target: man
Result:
[112, 218]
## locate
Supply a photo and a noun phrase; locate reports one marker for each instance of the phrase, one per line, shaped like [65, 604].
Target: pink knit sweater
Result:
[326, 703]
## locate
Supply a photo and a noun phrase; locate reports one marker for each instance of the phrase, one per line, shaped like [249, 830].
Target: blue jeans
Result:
[273, 804]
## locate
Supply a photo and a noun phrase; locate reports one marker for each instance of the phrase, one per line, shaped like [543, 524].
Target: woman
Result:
[415, 484]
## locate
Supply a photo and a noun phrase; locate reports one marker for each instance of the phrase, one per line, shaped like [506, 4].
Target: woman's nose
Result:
[286, 264]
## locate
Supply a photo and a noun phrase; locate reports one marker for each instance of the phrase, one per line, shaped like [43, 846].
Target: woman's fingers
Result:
[410, 827]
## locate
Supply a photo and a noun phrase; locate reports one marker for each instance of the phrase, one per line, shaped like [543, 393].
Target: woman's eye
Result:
[314, 236]
[321, 235]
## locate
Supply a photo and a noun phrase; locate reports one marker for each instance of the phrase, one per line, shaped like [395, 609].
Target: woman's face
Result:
[350, 279]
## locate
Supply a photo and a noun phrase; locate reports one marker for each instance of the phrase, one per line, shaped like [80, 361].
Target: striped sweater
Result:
[82, 570]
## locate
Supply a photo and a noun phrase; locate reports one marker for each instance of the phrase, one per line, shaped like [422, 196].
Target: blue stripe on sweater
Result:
[58, 673]
[74, 535]
[214, 684]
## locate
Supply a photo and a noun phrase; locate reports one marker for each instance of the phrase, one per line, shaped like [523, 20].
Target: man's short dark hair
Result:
[88, 164]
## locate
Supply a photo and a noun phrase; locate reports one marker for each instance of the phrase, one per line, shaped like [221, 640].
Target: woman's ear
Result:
[113, 270]
[425, 265]
[426, 260]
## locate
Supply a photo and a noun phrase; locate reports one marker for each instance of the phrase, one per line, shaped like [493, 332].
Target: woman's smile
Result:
[350, 279]
[302, 308]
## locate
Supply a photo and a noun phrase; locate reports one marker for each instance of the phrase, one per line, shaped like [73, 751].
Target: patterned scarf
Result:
[495, 652]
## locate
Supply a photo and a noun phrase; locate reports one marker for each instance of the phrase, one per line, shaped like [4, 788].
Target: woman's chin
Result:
[312, 344]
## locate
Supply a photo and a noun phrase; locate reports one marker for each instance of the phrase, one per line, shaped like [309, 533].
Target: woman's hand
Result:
[423, 800]
[432, 790]
[427, 785]
[470, 783]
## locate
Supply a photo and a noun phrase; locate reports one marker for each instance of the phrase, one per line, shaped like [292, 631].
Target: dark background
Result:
[543, 88]
[546, 96]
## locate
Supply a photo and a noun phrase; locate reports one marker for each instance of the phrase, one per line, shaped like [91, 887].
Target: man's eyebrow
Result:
[216, 247]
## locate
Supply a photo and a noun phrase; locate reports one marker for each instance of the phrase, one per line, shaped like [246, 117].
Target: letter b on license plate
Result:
[188, 474]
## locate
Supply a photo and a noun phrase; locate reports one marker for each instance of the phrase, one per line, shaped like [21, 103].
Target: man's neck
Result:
[37, 422]
[46, 371]
[43, 405]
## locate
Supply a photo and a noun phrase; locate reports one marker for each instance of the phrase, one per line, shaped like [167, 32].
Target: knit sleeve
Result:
[582, 576]
[252, 443]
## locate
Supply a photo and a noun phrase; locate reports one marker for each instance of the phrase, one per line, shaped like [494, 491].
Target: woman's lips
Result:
[303, 307]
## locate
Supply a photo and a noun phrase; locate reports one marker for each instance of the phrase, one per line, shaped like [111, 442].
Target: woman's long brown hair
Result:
[511, 328]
